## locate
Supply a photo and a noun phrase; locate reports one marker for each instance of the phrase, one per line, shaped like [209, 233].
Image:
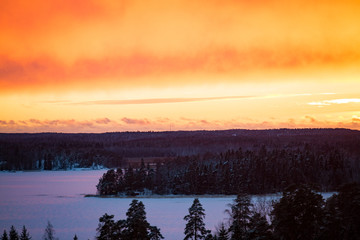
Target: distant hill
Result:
[22, 151]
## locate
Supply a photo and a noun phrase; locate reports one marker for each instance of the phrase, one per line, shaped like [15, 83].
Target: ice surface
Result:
[33, 198]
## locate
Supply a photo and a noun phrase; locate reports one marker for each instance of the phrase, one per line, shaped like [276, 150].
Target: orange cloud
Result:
[108, 44]
[131, 52]
[155, 100]
[312, 119]
[356, 119]
[117, 71]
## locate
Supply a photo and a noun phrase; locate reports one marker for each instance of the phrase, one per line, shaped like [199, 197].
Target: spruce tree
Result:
[13, 235]
[108, 183]
[24, 234]
[195, 228]
[240, 217]
[155, 233]
[259, 228]
[298, 214]
[136, 224]
[342, 214]
[4, 236]
[134, 227]
[107, 228]
[75, 237]
[222, 233]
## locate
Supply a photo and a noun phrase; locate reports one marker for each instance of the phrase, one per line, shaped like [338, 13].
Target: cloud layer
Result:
[335, 101]
[106, 44]
[119, 70]
[95, 66]
[155, 100]
[161, 124]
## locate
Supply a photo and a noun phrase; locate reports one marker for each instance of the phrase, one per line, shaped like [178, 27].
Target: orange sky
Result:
[98, 66]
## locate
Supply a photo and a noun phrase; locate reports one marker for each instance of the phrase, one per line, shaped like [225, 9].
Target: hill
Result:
[62, 151]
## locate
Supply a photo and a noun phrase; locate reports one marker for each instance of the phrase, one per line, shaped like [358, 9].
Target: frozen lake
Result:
[33, 198]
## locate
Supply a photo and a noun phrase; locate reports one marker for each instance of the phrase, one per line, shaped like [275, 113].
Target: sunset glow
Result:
[105, 66]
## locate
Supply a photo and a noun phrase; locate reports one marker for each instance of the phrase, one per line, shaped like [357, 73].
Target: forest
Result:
[256, 171]
[53, 151]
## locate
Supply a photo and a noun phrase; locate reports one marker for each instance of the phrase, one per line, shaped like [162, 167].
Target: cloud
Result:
[103, 121]
[344, 101]
[115, 43]
[356, 119]
[135, 121]
[319, 104]
[171, 100]
[335, 101]
[156, 100]
[114, 71]
[312, 119]
[144, 124]
[56, 101]
[23, 16]
[56, 125]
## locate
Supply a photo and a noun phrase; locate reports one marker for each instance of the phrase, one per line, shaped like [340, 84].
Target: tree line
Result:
[49, 234]
[255, 171]
[53, 151]
[301, 213]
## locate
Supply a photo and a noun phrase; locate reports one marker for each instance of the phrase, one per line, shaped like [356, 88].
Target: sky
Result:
[160, 65]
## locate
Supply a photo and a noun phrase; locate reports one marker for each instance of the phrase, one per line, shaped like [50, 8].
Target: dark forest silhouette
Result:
[51, 151]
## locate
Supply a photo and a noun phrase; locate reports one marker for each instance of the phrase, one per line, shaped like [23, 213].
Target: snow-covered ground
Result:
[33, 198]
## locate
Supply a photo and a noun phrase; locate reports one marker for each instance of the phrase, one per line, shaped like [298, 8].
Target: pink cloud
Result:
[133, 124]
[103, 121]
[135, 121]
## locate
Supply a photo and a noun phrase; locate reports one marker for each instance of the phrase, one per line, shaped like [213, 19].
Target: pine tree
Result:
[141, 176]
[333, 220]
[222, 233]
[298, 214]
[107, 229]
[134, 227]
[108, 183]
[130, 181]
[349, 206]
[24, 234]
[4, 236]
[49, 233]
[259, 228]
[155, 233]
[13, 235]
[75, 237]
[136, 224]
[342, 214]
[195, 228]
[240, 217]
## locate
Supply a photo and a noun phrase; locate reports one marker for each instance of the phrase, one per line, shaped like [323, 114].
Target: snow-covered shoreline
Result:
[58, 170]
